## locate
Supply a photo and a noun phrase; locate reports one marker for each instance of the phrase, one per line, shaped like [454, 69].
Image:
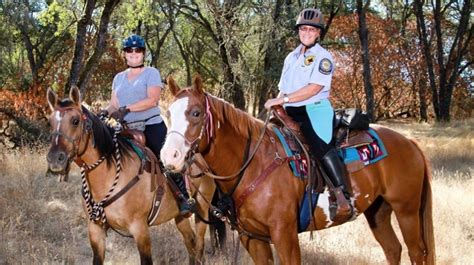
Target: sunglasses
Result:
[134, 49]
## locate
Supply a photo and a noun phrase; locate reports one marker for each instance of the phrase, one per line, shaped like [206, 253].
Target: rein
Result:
[96, 209]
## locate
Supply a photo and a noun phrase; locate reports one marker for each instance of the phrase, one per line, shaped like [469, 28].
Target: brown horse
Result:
[399, 183]
[78, 135]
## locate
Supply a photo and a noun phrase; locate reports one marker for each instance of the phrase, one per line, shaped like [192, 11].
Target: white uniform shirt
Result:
[314, 67]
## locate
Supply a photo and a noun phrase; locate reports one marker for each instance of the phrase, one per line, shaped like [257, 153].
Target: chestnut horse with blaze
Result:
[400, 183]
[80, 136]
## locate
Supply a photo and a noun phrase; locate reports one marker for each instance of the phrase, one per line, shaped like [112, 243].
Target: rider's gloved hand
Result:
[120, 113]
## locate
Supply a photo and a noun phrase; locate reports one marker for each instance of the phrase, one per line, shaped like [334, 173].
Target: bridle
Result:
[208, 127]
[94, 208]
[86, 125]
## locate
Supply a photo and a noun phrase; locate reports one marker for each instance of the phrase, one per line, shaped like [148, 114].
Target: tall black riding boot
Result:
[186, 204]
[341, 209]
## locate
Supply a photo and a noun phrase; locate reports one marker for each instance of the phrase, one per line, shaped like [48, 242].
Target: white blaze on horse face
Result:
[175, 148]
[58, 117]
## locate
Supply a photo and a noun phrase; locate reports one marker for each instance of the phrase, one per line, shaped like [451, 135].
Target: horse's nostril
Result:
[61, 157]
[176, 154]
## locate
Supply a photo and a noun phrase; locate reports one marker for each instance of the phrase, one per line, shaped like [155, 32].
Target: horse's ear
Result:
[52, 99]
[75, 95]
[197, 83]
[174, 88]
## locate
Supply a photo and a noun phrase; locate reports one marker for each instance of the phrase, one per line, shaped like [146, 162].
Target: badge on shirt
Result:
[325, 66]
[309, 60]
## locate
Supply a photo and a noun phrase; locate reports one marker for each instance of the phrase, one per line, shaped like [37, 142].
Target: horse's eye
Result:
[196, 113]
[75, 122]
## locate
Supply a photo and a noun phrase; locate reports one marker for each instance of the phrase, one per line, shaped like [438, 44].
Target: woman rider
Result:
[135, 97]
[304, 87]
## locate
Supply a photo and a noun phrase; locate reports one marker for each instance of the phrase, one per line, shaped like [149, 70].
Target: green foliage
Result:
[188, 36]
[58, 17]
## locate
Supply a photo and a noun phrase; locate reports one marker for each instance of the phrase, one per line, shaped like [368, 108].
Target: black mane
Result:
[103, 137]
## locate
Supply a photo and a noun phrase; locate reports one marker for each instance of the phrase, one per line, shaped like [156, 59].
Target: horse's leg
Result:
[378, 217]
[286, 243]
[97, 241]
[184, 227]
[141, 234]
[201, 228]
[409, 221]
[203, 196]
[260, 251]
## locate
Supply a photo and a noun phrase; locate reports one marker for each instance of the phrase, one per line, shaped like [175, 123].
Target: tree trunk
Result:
[447, 73]
[229, 52]
[100, 46]
[81, 35]
[364, 43]
[422, 96]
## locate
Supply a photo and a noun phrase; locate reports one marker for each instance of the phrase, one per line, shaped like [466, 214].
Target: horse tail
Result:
[426, 213]
[217, 227]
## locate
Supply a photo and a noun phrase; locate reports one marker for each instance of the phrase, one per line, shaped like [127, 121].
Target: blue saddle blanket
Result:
[367, 154]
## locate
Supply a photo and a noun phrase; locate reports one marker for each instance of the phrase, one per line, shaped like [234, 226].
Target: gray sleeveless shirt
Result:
[129, 92]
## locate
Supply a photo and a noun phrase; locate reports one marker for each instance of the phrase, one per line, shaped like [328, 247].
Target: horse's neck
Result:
[90, 155]
[226, 154]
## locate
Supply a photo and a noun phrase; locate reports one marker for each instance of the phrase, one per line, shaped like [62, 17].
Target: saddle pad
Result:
[135, 148]
[357, 157]
[296, 166]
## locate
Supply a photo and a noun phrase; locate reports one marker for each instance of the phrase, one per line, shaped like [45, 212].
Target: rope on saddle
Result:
[96, 209]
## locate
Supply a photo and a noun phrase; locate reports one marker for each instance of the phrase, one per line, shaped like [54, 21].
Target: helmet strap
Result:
[138, 66]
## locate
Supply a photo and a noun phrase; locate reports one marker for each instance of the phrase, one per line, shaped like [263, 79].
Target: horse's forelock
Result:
[65, 103]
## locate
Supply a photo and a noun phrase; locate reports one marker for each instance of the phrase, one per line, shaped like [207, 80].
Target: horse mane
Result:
[103, 137]
[243, 123]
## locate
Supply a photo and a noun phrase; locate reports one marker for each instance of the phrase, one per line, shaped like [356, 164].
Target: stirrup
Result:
[187, 207]
[340, 210]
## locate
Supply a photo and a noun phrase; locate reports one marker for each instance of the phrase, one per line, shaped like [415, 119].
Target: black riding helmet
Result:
[312, 17]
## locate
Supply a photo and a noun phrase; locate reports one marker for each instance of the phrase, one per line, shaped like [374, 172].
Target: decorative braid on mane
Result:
[241, 121]
[103, 137]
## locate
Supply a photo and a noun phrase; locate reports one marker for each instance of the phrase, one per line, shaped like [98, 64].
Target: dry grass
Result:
[42, 222]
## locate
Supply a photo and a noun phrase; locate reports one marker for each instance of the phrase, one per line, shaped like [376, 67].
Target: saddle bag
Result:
[352, 118]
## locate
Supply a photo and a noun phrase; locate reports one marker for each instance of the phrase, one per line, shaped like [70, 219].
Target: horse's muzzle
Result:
[58, 161]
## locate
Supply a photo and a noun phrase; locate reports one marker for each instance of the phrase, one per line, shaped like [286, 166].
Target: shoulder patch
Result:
[325, 66]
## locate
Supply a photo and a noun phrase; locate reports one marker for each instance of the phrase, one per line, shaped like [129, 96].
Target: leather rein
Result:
[195, 157]
[95, 209]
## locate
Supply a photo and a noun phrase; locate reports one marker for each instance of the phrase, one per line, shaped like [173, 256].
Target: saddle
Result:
[136, 135]
[349, 131]
[150, 162]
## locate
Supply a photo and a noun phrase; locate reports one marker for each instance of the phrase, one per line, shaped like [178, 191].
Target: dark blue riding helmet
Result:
[133, 41]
